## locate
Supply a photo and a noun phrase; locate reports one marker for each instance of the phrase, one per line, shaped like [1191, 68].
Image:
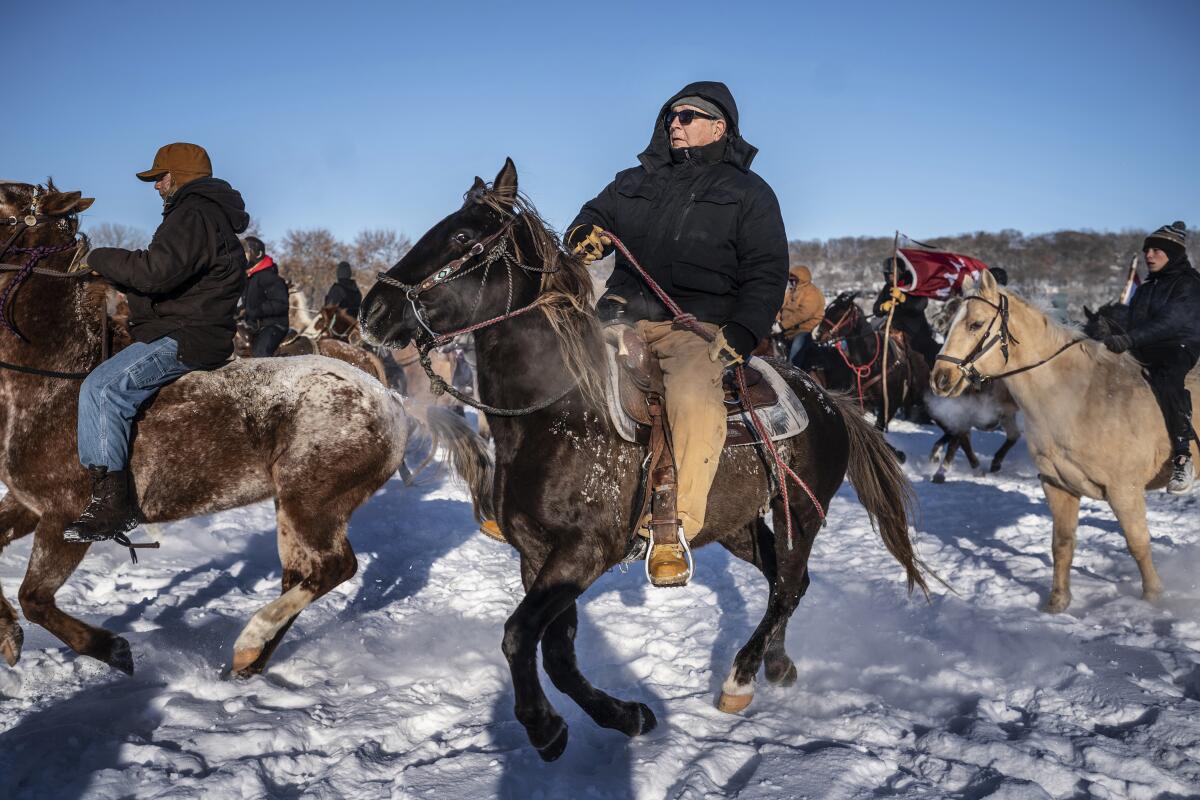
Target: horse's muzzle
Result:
[945, 380]
[382, 323]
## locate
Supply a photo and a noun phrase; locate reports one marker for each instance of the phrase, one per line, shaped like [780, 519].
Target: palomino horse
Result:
[985, 408]
[1078, 400]
[567, 486]
[210, 441]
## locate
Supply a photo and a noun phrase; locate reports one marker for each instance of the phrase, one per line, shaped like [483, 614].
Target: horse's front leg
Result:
[16, 521]
[558, 657]
[558, 582]
[1064, 508]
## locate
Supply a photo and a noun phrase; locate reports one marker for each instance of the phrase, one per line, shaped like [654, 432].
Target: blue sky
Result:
[934, 118]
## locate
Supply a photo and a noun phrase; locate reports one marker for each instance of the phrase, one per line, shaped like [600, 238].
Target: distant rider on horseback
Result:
[709, 231]
[265, 299]
[183, 291]
[1164, 334]
[344, 293]
[909, 315]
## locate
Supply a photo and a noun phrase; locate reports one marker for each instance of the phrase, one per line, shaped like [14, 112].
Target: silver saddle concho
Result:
[633, 370]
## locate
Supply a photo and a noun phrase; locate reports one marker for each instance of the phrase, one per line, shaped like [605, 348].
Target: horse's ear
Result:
[476, 191]
[59, 204]
[1087, 312]
[987, 286]
[505, 185]
[853, 295]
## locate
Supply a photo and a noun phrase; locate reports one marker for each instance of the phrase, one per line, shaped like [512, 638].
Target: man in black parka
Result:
[265, 299]
[1164, 334]
[709, 231]
[183, 291]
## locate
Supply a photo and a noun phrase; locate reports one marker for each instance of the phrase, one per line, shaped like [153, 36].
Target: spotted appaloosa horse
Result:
[567, 485]
[210, 441]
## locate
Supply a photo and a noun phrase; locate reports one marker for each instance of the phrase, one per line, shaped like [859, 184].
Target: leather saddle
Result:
[636, 383]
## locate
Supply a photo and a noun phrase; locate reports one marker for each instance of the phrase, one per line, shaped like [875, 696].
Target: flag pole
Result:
[1124, 298]
[887, 329]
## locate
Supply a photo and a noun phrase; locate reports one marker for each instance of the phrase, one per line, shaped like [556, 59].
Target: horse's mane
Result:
[1123, 366]
[566, 291]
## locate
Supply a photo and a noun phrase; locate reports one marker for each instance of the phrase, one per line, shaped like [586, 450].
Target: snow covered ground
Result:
[395, 686]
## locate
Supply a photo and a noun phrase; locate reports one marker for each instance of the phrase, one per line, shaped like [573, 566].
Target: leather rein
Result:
[493, 248]
[1002, 337]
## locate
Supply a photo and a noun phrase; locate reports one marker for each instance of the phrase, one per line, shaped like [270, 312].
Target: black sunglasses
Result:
[686, 116]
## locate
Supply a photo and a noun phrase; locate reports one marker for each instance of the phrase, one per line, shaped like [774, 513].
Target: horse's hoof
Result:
[10, 645]
[995, 466]
[734, 703]
[119, 657]
[1058, 603]
[938, 478]
[901, 456]
[647, 719]
[785, 677]
[557, 744]
[243, 662]
[1153, 596]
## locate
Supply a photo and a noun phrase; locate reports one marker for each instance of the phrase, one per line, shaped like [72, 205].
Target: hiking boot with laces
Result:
[110, 513]
[1183, 473]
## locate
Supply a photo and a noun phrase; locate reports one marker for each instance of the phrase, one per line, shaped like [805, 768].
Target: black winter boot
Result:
[110, 514]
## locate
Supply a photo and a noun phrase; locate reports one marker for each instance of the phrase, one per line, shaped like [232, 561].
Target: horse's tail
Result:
[469, 456]
[883, 490]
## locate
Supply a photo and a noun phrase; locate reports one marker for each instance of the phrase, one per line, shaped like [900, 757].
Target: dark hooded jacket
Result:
[1165, 311]
[345, 293]
[266, 297]
[704, 226]
[187, 283]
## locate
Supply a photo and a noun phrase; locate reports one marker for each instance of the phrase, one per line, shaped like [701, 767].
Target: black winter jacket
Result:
[266, 298]
[1165, 310]
[909, 316]
[345, 294]
[704, 226]
[187, 283]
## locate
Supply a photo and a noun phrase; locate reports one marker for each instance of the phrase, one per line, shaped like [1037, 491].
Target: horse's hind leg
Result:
[552, 588]
[964, 441]
[50, 564]
[788, 585]
[316, 557]
[1129, 505]
[756, 545]
[16, 521]
[1012, 433]
[558, 658]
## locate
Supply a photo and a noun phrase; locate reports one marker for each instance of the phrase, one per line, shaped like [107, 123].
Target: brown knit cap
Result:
[186, 162]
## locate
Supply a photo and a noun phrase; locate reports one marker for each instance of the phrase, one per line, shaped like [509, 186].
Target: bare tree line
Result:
[307, 258]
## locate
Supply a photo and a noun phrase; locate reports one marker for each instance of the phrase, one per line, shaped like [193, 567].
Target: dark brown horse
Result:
[211, 441]
[567, 486]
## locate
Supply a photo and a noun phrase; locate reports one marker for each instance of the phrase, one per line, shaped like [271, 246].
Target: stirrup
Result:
[687, 556]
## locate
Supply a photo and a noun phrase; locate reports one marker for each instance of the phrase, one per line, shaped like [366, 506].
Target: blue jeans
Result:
[797, 350]
[112, 394]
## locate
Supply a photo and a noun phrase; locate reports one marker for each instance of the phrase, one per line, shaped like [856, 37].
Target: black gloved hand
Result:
[1118, 342]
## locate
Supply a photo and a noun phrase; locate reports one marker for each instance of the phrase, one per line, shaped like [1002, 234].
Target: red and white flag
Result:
[934, 273]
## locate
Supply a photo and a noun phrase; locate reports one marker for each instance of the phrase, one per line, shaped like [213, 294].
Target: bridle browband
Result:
[1003, 337]
[498, 243]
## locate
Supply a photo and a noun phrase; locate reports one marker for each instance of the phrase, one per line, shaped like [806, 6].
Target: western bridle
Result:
[34, 255]
[493, 248]
[1002, 337]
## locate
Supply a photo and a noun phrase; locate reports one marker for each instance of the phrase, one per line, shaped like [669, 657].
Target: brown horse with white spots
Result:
[210, 441]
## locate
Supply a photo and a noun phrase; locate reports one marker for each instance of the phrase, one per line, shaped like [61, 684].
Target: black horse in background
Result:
[847, 356]
[1109, 319]
[568, 489]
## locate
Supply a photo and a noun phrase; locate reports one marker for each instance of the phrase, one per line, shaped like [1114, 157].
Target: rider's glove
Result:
[587, 241]
[1118, 342]
[897, 296]
[732, 346]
